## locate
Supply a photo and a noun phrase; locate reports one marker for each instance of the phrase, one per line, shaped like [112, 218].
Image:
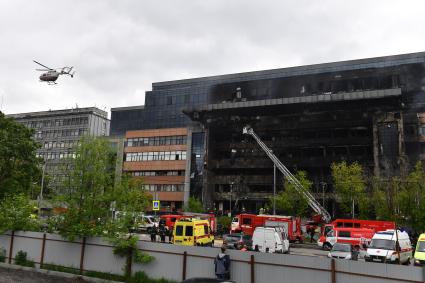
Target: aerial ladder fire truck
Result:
[353, 225]
[312, 202]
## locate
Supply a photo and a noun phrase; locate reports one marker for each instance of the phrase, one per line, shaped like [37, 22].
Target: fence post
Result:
[11, 247]
[43, 246]
[333, 271]
[184, 265]
[83, 249]
[252, 262]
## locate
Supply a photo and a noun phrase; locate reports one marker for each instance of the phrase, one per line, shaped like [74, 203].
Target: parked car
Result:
[236, 240]
[270, 239]
[207, 280]
[343, 251]
[389, 247]
[146, 223]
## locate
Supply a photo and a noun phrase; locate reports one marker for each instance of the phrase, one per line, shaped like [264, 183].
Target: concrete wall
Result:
[169, 262]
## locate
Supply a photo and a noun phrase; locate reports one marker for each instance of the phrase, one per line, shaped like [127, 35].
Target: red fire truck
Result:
[373, 225]
[169, 219]
[247, 223]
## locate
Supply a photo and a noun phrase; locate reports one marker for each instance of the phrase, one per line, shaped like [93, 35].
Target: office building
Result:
[58, 132]
[368, 110]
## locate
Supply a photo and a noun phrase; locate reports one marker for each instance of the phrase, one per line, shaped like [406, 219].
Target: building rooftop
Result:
[376, 62]
[138, 107]
[60, 112]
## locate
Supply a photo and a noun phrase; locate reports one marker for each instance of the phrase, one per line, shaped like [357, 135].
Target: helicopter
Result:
[52, 75]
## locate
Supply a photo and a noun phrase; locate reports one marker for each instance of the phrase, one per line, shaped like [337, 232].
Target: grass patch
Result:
[138, 277]
[105, 275]
[61, 268]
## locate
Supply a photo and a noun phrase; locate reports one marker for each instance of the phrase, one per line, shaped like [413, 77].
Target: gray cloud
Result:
[120, 47]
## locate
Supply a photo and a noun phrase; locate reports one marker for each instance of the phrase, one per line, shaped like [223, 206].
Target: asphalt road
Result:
[297, 249]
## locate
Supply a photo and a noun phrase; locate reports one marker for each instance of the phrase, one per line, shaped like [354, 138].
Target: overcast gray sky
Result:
[120, 47]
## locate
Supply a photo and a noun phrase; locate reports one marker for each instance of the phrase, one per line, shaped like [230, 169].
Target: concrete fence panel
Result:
[168, 262]
[61, 252]
[5, 242]
[291, 268]
[29, 242]
[99, 256]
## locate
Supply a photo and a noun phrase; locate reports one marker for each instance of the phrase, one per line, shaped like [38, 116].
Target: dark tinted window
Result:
[206, 232]
[189, 231]
[246, 221]
[179, 230]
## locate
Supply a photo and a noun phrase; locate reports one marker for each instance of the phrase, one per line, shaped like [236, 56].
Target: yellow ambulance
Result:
[420, 251]
[192, 232]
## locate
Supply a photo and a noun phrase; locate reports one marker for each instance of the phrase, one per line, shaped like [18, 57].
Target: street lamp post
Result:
[274, 189]
[40, 197]
[230, 199]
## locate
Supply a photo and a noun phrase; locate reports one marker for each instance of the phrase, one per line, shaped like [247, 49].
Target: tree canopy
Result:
[194, 205]
[350, 187]
[19, 166]
[290, 201]
[91, 193]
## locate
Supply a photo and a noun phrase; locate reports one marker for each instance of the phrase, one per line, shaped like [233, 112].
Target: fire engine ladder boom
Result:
[314, 204]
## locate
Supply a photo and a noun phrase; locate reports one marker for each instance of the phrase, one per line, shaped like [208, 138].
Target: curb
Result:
[56, 273]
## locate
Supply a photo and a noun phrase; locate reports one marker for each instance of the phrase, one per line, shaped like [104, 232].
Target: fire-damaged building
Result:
[370, 110]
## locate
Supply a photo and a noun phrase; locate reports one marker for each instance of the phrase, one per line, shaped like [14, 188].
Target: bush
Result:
[21, 259]
[224, 222]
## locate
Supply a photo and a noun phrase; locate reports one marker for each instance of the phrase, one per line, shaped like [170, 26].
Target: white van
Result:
[384, 247]
[270, 239]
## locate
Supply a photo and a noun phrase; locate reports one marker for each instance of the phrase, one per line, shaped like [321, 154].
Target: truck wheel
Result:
[327, 246]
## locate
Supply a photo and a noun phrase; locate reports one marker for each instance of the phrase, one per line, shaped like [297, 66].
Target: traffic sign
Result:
[155, 205]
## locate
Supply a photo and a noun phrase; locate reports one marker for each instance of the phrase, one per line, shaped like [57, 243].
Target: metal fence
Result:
[178, 262]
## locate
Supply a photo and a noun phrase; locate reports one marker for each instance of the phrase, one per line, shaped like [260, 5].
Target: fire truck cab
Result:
[247, 223]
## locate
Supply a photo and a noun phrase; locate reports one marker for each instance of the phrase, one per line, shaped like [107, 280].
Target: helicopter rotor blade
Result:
[43, 70]
[43, 65]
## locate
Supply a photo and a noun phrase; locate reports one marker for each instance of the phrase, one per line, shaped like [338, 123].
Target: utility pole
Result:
[230, 199]
[274, 189]
[40, 197]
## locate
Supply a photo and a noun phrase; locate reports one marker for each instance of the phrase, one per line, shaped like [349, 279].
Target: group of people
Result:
[162, 231]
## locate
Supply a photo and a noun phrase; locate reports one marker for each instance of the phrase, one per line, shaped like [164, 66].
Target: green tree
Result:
[350, 187]
[19, 166]
[194, 205]
[91, 192]
[16, 214]
[411, 198]
[290, 201]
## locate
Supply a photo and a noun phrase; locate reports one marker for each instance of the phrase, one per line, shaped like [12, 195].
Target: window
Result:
[179, 229]
[345, 234]
[246, 221]
[189, 231]
[169, 100]
[206, 232]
